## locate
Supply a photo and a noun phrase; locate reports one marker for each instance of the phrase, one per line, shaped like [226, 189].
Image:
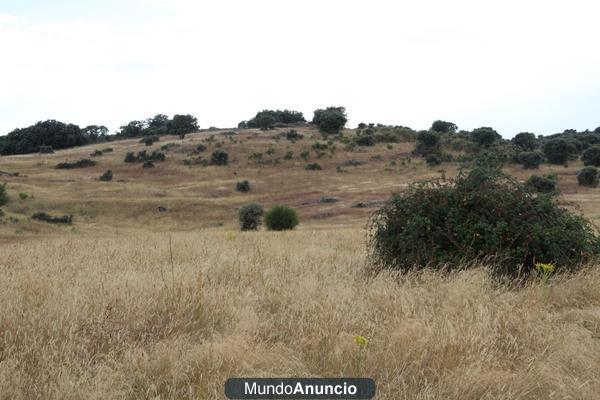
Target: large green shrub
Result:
[485, 136]
[250, 217]
[427, 143]
[331, 119]
[557, 151]
[591, 156]
[219, 157]
[281, 218]
[542, 184]
[83, 163]
[444, 127]
[525, 140]
[42, 216]
[482, 215]
[588, 176]
[530, 159]
[242, 186]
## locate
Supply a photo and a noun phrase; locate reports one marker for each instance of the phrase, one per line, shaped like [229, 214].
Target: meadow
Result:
[131, 302]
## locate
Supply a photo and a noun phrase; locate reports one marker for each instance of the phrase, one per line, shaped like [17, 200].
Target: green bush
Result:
[364, 140]
[591, 156]
[46, 150]
[557, 151]
[443, 127]
[525, 141]
[427, 143]
[201, 148]
[83, 163]
[250, 217]
[542, 184]
[242, 186]
[148, 164]
[23, 196]
[219, 157]
[330, 120]
[312, 167]
[3, 195]
[433, 159]
[143, 156]
[96, 153]
[485, 136]
[107, 176]
[42, 216]
[588, 176]
[481, 216]
[281, 218]
[530, 159]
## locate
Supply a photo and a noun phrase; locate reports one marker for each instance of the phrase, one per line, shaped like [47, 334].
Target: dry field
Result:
[130, 303]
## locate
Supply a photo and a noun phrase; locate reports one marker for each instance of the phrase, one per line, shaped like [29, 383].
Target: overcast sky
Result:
[513, 65]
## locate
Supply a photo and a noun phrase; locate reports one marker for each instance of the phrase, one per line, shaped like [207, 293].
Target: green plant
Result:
[557, 151]
[530, 159]
[219, 157]
[280, 218]
[542, 184]
[312, 167]
[433, 159]
[304, 155]
[330, 120]
[42, 216]
[482, 215]
[591, 156]
[485, 136]
[242, 186]
[588, 176]
[288, 155]
[23, 196]
[83, 163]
[525, 141]
[107, 176]
[96, 153]
[250, 217]
[200, 148]
[148, 164]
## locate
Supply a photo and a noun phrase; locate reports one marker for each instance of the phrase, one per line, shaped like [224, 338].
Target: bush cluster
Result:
[268, 119]
[588, 176]
[542, 184]
[83, 163]
[242, 186]
[143, 156]
[219, 157]
[42, 216]
[482, 215]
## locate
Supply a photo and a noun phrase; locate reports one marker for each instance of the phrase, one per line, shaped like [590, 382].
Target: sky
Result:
[513, 65]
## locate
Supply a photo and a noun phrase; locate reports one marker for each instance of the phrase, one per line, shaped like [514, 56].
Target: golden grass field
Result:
[131, 303]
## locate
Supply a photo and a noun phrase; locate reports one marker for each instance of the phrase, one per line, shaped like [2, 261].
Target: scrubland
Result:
[132, 303]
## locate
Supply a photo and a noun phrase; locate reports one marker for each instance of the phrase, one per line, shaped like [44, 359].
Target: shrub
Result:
[591, 156]
[42, 216]
[143, 156]
[433, 159]
[485, 136]
[148, 164]
[201, 148]
[281, 218]
[482, 215]
[3, 195]
[588, 176]
[43, 137]
[525, 140]
[293, 135]
[312, 167]
[83, 163]
[304, 155]
[427, 143]
[443, 127]
[530, 159]
[150, 140]
[364, 140]
[23, 196]
[288, 155]
[542, 184]
[243, 186]
[219, 157]
[557, 150]
[331, 119]
[250, 217]
[96, 153]
[267, 119]
[107, 176]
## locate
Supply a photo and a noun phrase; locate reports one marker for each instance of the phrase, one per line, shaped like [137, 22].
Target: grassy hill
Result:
[133, 302]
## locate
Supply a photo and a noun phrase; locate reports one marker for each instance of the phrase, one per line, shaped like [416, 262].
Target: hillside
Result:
[130, 302]
[198, 196]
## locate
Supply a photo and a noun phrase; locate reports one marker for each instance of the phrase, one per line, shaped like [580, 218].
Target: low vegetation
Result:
[83, 163]
[250, 217]
[42, 216]
[281, 218]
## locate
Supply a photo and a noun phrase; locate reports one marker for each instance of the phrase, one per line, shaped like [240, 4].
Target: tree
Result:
[530, 159]
[331, 119]
[53, 133]
[95, 133]
[525, 140]
[444, 127]
[557, 151]
[588, 176]
[485, 136]
[132, 129]
[266, 119]
[182, 124]
[591, 156]
[427, 143]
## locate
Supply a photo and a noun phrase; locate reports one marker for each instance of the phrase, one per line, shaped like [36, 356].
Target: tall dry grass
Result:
[100, 318]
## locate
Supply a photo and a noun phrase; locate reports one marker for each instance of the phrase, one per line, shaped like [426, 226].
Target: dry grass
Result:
[97, 310]
[111, 318]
